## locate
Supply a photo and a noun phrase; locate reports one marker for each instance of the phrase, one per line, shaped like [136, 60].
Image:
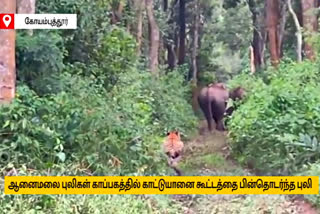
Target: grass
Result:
[205, 155]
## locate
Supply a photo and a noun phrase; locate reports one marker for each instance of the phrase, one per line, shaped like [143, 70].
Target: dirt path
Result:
[207, 154]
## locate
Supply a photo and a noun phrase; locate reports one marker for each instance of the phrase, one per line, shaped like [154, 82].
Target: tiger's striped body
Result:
[173, 148]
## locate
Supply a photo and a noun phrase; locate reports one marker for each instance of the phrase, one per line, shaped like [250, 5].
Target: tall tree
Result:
[117, 12]
[139, 5]
[171, 51]
[165, 5]
[272, 20]
[154, 37]
[196, 24]
[259, 33]
[310, 23]
[282, 25]
[251, 59]
[182, 32]
[7, 56]
[194, 52]
[298, 32]
[26, 7]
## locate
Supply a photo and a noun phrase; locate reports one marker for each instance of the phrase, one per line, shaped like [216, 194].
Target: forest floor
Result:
[208, 154]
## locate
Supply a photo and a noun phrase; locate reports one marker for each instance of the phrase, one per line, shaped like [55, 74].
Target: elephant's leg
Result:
[220, 125]
[218, 115]
[209, 120]
[205, 110]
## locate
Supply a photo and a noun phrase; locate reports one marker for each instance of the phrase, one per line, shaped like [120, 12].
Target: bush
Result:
[115, 55]
[224, 42]
[87, 124]
[40, 60]
[84, 204]
[278, 124]
[311, 170]
[93, 23]
[26, 135]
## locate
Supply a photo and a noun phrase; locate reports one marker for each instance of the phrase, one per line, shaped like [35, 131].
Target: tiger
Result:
[173, 148]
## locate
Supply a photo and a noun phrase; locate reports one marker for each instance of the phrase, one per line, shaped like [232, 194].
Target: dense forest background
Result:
[98, 100]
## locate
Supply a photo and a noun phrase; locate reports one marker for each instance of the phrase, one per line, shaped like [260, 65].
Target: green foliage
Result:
[115, 55]
[278, 125]
[206, 77]
[312, 169]
[93, 23]
[84, 204]
[83, 97]
[98, 48]
[249, 204]
[39, 58]
[86, 123]
[227, 34]
[26, 135]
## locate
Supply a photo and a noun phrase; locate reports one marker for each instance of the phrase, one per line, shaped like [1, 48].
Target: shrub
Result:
[40, 60]
[26, 135]
[86, 123]
[311, 170]
[84, 204]
[278, 124]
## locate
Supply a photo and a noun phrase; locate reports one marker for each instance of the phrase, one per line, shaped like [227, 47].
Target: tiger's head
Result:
[173, 135]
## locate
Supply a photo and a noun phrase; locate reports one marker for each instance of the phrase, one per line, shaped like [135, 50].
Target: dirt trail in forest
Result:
[208, 154]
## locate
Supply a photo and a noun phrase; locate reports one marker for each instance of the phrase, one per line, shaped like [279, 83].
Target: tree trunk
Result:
[195, 43]
[117, 13]
[176, 44]
[310, 24]
[26, 7]
[162, 50]
[256, 48]
[251, 58]
[165, 5]
[171, 54]
[272, 21]
[282, 25]
[154, 38]
[172, 58]
[258, 45]
[182, 36]
[139, 5]
[264, 35]
[298, 33]
[7, 57]
[259, 35]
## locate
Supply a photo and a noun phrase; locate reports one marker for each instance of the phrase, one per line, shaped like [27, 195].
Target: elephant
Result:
[213, 100]
[235, 94]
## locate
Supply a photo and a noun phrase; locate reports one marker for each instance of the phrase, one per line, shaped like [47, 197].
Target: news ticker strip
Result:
[40, 185]
[10, 21]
